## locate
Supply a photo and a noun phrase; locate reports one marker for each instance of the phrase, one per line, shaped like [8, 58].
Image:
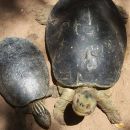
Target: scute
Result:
[86, 42]
[23, 72]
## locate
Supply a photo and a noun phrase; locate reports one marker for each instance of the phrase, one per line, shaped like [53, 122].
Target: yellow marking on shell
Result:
[120, 125]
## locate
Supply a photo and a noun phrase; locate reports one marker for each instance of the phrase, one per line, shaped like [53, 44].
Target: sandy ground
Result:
[17, 19]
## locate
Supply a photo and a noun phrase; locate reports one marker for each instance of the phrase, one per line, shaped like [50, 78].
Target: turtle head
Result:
[84, 103]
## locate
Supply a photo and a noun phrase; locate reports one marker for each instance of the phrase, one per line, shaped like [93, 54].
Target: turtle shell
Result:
[23, 72]
[86, 42]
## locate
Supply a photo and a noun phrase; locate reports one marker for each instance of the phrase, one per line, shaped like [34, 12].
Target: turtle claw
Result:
[41, 114]
[120, 125]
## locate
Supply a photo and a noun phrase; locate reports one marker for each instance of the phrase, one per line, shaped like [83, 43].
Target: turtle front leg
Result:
[52, 92]
[59, 107]
[106, 105]
[42, 14]
[40, 114]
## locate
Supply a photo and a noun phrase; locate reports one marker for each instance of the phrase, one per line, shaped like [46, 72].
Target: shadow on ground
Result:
[9, 5]
[15, 120]
[70, 117]
[9, 9]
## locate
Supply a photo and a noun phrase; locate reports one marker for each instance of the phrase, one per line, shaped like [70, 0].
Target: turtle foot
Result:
[41, 114]
[59, 116]
[61, 105]
[105, 104]
[114, 117]
[53, 92]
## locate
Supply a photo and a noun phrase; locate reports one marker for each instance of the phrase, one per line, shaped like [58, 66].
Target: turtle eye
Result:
[81, 104]
[87, 106]
[77, 100]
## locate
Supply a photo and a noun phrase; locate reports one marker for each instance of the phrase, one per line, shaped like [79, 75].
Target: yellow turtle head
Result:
[84, 103]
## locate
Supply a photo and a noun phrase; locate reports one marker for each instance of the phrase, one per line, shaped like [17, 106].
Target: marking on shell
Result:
[79, 76]
[65, 75]
[89, 18]
[83, 38]
[97, 28]
[109, 44]
[66, 24]
[53, 20]
[77, 26]
[92, 55]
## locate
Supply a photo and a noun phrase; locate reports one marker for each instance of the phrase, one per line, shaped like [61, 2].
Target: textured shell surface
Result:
[23, 72]
[86, 42]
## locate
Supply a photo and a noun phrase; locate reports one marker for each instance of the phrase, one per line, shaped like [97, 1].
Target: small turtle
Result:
[86, 42]
[24, 78]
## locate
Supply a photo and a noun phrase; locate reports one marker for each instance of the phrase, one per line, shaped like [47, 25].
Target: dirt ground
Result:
[17, 19]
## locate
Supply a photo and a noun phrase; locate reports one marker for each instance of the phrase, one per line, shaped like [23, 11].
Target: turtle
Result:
[86, 43]
[24, 81]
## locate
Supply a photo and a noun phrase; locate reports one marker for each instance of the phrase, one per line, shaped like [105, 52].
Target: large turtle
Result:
[86, 42]
[24, 78]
